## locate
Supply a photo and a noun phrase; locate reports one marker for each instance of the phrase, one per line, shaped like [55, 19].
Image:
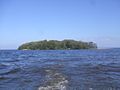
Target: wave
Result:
[54, 81]
[7, 68]
[3, 78]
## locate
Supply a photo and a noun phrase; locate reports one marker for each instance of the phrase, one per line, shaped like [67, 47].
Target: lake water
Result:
[60, 69]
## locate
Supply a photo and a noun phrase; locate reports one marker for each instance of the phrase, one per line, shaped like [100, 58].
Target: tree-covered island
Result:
[57, 45]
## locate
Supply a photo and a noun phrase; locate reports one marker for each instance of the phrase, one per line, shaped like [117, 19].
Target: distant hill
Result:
[57, 45]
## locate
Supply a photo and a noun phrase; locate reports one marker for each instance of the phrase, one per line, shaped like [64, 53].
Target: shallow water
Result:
[60, 69]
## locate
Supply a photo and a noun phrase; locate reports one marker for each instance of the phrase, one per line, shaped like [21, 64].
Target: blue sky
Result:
[32, 20]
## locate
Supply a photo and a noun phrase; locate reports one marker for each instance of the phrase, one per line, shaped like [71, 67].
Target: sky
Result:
[23, 21]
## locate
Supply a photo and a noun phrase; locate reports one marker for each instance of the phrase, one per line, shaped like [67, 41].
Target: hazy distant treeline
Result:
[57, 45]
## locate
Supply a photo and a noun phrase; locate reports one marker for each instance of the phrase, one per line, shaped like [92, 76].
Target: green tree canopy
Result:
[60, 45]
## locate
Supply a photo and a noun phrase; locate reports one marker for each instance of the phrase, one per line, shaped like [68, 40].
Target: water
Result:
[60, 70]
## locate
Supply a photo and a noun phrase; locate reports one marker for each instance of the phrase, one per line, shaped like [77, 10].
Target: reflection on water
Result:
[60, 70]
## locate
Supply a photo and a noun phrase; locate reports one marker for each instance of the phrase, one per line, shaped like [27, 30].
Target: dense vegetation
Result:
[57, 45]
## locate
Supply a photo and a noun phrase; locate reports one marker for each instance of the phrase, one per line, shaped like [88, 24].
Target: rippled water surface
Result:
[60, 70]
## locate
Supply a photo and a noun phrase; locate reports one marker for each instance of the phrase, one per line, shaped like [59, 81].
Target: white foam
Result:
[59, 86]
[57, 81]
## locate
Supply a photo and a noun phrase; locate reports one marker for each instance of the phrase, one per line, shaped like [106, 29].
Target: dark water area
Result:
[60, 69]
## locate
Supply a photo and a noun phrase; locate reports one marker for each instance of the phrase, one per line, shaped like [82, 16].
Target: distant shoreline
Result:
[60, 49]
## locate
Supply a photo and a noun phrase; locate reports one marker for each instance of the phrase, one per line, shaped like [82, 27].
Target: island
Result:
[57, 45]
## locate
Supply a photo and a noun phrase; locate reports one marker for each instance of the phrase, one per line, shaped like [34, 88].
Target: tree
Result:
[54, 45]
